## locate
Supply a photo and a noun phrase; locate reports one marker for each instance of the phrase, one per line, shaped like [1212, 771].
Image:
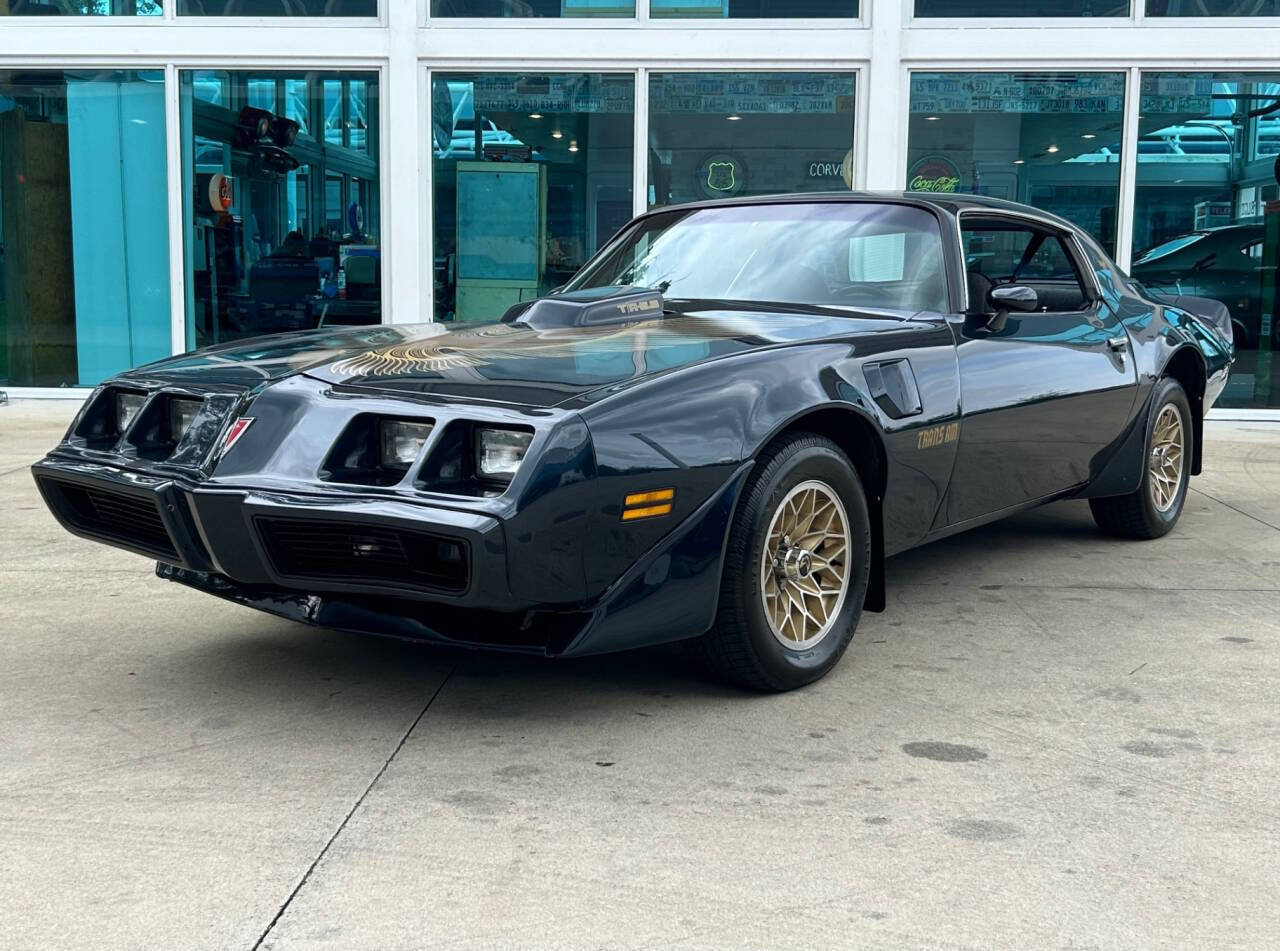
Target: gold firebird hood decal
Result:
[458, 349]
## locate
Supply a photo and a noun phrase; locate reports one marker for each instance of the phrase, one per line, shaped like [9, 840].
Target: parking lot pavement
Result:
[1050, 740]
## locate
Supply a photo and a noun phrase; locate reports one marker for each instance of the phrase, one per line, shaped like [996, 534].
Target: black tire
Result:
[742, 647]
[1137, 515]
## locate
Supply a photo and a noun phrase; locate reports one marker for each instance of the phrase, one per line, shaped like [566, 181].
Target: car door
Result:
[1044, 393]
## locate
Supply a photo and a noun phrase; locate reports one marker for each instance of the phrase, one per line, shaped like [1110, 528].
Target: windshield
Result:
[1168, 247]
[833, 254]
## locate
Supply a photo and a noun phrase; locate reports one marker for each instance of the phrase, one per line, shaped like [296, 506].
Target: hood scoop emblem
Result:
[590, 308]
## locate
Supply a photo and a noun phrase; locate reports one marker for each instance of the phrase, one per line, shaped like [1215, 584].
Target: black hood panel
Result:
[548, 366]
[509, 363]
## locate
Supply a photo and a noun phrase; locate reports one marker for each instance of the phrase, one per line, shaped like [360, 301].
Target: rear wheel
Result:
[796, 568]
[1154, 508]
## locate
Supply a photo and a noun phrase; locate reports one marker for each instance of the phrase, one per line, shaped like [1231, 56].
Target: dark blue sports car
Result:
[717, 431]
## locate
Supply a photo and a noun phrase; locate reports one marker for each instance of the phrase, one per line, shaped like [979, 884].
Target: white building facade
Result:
[179, 174]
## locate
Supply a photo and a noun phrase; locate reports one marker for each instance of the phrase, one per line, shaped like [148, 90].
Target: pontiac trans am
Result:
[716, 432]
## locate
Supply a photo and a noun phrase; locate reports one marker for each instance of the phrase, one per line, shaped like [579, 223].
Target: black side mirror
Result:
[1013, 297]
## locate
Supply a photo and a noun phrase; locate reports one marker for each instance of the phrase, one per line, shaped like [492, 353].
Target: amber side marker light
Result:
[648, 504]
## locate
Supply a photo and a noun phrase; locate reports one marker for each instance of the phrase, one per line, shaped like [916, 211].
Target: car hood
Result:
[510, 362]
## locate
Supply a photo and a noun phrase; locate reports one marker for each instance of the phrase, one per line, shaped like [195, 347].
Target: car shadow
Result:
[269, 657]
[1052, 524]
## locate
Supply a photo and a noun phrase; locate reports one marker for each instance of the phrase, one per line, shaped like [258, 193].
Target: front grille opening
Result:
[130, 519]
[358, 553]
[362, 456]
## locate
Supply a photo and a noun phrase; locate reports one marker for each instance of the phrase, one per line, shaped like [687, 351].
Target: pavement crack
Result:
[351, 812]
[1260, 521]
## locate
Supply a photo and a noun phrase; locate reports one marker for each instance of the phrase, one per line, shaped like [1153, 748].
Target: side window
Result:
[1253, 251]
[1049, 263]
[1003, 252]
[994, 253]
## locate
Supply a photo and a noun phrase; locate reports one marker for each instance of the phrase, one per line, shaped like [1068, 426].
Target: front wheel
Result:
[1154, 508]
[796, 568]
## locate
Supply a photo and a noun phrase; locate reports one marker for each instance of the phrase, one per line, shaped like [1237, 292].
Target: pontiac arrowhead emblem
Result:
[235, 432]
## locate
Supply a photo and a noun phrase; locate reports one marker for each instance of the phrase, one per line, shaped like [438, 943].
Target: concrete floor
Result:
[1050, 740]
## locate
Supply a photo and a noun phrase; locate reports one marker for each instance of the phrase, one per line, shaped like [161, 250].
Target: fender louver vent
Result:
[129, 519]
[354, 553]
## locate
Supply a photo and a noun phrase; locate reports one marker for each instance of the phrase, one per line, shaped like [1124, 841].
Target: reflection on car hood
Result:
[509, 363]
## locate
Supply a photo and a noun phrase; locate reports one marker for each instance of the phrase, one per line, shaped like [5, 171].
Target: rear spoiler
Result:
[1212, 312]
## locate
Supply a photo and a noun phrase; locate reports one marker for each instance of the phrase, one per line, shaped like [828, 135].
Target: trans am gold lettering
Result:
[937, 435]
[639, 306]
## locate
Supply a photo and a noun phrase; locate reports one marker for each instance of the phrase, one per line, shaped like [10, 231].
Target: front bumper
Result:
[538, 631]
[374, 546]
[217, 540]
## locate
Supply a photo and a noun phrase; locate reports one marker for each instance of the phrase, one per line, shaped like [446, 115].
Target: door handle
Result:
[1117, 343]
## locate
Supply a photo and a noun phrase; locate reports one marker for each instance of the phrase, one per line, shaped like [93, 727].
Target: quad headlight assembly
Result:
[127, 405]
[401, 441]
[499, 452]
[182, 413]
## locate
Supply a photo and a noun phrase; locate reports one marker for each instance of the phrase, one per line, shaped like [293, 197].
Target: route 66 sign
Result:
[721, 175]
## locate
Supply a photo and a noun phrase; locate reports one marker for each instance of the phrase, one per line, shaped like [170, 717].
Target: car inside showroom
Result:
[447, 448]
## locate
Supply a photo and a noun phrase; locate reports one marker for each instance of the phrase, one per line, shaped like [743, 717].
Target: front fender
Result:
[672, 591]
[691, 430]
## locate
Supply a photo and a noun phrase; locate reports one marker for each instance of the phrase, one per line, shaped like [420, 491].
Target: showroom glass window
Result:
[1035, 8]
[74, 8]
[84, 225]
[1051, 140]
[1206, 218]
[569, 9]
[1213, 8]
[281, 193]
[275, 8]
[753, 9]
[532, 173]
[716, 135]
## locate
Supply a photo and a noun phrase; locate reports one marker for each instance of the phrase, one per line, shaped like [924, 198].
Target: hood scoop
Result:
[596, 307]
